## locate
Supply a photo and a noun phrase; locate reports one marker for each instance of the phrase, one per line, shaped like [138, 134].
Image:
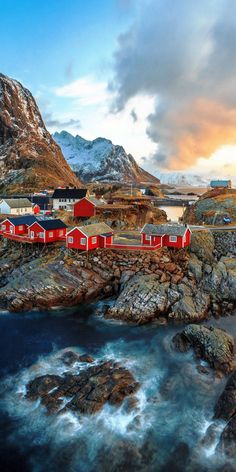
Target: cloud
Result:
[134, 115]
[87, 90]
[55, 123]
[181, 53]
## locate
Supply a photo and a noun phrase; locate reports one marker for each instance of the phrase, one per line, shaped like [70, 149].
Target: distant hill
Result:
[29, 157]
[100, 160]
[184, 180]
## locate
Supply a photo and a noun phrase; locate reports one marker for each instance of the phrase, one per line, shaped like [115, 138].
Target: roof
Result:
[96, 229]
[22, 220]
[220, 183]
[18, 202]
[70, 193]
[95, 201]
[52, 224]
[175, 230]
[39, 200]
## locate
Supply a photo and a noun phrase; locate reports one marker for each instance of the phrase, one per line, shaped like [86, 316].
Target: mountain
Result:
[101, 160]
[29, 157]
[184, 180]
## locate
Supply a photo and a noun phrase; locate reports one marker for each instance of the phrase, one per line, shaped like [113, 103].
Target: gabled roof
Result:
[52, 224]
[39, 200]
[161, 230]
[95, 201]
[17, 202]
[22, 220]
[70, 193]
[96, 229]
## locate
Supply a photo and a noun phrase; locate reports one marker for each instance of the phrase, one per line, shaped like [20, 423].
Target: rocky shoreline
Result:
[164, 286]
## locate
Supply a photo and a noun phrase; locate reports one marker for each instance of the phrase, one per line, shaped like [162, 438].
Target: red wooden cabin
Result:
[167, 235]
[86, 207]
[47, 231]
[18, 224]
[89, 237]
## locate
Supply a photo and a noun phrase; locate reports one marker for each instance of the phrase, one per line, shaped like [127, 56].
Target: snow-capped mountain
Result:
[101, 160]
[183, 180]
[29, 158]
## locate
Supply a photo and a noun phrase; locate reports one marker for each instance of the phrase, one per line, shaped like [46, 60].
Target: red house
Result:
[17, 225]
[86, 207]
[89, 237]
[47, 231]
[167, 235]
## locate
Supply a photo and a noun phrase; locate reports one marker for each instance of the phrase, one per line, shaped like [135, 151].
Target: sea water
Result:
[165, 432]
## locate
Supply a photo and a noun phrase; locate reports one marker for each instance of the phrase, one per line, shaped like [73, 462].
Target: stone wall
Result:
[225, 243]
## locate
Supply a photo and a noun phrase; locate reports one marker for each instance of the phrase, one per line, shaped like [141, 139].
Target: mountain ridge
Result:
[29, 157]
[101, 160]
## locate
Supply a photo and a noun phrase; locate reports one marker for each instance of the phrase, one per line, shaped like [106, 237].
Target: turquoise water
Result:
[175, 401]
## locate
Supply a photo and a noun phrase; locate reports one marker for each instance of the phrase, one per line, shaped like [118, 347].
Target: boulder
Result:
[211, 344]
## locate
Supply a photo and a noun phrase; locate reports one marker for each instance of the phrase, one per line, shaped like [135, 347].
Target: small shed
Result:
[48, 231]
[221, 184]
[86, 207]
[17, 224]
[166, 235]
[89, 237]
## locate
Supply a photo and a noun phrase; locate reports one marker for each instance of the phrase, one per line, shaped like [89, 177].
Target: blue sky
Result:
[171, 64]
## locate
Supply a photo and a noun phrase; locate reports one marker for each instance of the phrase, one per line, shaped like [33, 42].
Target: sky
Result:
[156, 76]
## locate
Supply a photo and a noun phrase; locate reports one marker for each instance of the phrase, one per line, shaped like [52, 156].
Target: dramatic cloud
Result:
[183, 54]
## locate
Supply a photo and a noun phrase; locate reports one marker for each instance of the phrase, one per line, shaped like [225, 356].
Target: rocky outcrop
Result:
[226, 405]
[227, 443]
[101, 161]
[30, 159]
[210, 344]
[212, 206]
[83, 392]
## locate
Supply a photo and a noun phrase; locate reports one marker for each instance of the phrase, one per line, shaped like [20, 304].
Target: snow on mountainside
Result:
[29, 158]
[184, 180]
[101, 160]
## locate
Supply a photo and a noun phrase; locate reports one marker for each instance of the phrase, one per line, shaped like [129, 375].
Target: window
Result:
[173, 239]
[20, 227]
[61, 232]
[94, 240]
[3, 227]
[70, 239]
[148, 237]
[41, 235]
[83, 241]
[50, 234]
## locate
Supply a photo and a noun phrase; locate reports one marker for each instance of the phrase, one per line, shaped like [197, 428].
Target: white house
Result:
[16, 206]
[64, 198]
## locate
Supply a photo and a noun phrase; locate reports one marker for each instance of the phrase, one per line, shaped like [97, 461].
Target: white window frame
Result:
[20, 227]
[3, 227]
[70, 239]
[41, 235]
[61, 232]
[50, 234]
[173, 239]
[83, 241]
[148, 237]
[94, 240]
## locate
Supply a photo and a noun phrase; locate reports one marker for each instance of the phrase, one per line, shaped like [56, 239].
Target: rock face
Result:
[226, 405]
[211, 344]
[100, 160]
[212, 207]
[29, 158]
[84, 392]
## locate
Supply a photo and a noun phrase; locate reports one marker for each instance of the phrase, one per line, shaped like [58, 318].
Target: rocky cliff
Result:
[29, 158]
[101, 160]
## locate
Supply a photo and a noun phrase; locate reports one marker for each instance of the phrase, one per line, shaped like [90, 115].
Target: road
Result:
[214, 228]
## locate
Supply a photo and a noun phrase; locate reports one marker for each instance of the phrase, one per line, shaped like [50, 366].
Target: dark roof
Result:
[22, 220]
[39, 200]
[175, 230]
[52, 224]
[70, 193]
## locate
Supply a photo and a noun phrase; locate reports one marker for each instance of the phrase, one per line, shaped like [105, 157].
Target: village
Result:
[32, 221]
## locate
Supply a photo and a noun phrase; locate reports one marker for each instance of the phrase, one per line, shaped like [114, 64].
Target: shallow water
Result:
[175, 402]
